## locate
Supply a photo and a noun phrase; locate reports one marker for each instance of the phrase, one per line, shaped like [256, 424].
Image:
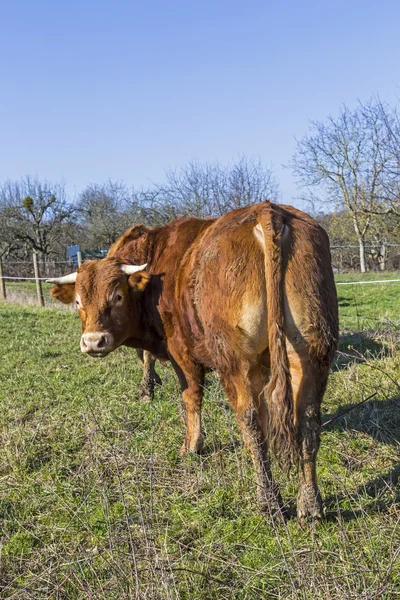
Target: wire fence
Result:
[379, 257]
[24, 282]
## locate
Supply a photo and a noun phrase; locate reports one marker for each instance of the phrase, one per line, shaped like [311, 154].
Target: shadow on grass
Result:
[382, 490]
[352, 345]
[379, 419]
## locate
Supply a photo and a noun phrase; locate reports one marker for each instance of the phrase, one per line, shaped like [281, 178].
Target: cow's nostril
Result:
[83, 342]
[102, 342]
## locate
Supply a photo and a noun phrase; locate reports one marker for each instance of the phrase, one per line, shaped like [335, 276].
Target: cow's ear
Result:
[64, 293]
[139, 280]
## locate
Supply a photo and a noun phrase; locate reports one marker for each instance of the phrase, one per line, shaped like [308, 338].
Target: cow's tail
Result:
[279, 394]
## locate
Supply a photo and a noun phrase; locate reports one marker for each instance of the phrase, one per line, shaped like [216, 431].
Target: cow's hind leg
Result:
[308, 383]
[245, 393]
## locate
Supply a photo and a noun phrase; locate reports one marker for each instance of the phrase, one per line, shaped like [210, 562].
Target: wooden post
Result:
[3, 294]
[39, 290]
[79, 257]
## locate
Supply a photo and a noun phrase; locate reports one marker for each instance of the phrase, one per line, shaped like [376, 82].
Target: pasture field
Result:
[95, 502]
[24, 292]
[374, 306]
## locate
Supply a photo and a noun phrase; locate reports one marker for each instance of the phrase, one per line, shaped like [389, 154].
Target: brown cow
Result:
[250, 294]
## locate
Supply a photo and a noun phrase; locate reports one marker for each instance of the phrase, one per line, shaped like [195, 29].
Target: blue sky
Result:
[92, 90]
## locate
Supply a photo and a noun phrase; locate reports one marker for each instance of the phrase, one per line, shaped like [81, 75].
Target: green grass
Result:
[26, 286]
[371, 276]
[95, 501]
[369, 306]
[24, 292]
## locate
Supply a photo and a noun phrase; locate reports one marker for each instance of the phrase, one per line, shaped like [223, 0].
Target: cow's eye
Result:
[118, 297]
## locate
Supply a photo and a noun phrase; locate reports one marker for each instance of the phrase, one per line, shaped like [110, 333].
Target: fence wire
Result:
[379, 257]
[19, 283]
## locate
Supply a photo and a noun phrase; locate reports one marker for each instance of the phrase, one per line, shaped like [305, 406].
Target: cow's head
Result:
[106, 294]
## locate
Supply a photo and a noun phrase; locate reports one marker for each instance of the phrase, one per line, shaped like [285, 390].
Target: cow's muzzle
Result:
[97, 344]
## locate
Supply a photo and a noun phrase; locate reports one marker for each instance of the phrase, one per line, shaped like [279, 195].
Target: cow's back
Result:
[225, 276]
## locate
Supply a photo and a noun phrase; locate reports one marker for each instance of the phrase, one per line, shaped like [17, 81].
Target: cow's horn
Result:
[71, 278]
[130, 269]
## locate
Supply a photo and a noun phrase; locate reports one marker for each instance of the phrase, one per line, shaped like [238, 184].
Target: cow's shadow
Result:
[356, 348]
[379, 419]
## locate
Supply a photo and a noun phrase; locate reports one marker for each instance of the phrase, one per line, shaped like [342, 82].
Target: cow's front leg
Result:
[150, 376]
[191, 379]
[192, 400]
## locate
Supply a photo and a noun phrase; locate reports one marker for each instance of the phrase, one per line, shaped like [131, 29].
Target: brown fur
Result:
[250, 294]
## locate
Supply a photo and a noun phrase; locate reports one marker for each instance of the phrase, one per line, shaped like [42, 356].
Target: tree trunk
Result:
[360, 234]
[363, 265]
[382, 257]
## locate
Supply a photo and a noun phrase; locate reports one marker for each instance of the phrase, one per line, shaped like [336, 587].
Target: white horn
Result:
[71, 278]
[130, 269]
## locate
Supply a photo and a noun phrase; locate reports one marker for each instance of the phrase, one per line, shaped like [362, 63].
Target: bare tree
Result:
[210, 190]
[105, 213]
[8, 242]
[148, 206]
[389, 118]
[350, 160]
[33, 214]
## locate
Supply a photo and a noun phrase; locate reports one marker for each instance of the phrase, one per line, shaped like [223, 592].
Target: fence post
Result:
[79, 257]
[3, 294]
[39, 290]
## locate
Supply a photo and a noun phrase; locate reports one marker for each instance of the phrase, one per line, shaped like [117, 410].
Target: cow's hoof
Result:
[309, 504]
[157, 379]
[192, 448]
[270, 503]
[146, 393]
